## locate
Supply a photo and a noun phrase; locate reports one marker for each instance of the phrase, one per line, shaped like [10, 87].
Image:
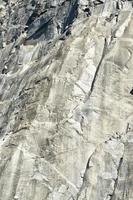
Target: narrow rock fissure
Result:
[84, 183]
[98, 68]
[116, 181]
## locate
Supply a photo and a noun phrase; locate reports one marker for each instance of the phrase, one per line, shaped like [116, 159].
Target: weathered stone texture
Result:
[66, 100]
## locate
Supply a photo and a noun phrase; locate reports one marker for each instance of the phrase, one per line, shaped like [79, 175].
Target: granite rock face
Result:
[66, 100]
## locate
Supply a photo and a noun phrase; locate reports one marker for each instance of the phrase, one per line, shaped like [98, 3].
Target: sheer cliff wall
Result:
[66, 100]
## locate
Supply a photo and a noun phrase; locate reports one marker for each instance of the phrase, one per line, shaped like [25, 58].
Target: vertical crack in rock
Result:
[116, 181]
[98, 67]
[85, 178]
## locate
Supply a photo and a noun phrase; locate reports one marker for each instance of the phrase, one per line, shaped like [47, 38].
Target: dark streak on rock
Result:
[116, 181]
[98, 67]
[84, 183]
